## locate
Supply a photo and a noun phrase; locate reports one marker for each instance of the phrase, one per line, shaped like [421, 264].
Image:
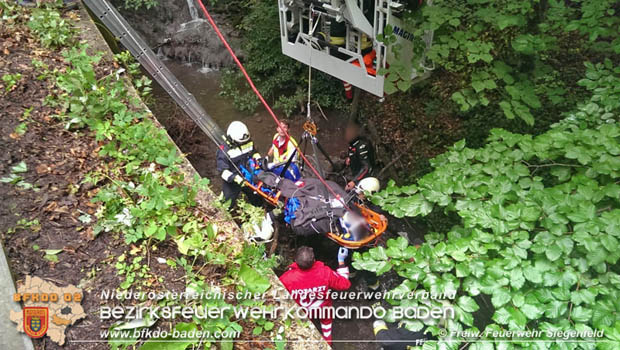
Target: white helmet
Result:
[264, 233]
[238, 132]
[369, 184]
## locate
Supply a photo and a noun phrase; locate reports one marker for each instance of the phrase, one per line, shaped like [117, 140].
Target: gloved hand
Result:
[238, 180]
[342, 254]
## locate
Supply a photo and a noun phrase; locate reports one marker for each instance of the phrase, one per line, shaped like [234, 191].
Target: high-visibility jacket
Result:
[239, 155]
[283, 149]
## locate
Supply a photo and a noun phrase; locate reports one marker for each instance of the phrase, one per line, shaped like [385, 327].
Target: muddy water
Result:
[204, 85]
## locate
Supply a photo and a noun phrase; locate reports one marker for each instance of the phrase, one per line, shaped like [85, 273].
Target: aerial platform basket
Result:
[306, 28]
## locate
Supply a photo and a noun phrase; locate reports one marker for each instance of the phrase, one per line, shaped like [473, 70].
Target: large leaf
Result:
[255, 282]
[500, 297]
[468, 304]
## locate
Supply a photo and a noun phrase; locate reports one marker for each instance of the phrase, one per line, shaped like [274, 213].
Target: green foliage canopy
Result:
[539, 229]
[278, 77]
[512, 55]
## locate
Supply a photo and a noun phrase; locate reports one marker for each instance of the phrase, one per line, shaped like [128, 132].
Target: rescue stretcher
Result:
[376, 222]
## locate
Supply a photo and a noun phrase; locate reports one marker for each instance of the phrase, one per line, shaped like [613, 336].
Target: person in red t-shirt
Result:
[309, 281]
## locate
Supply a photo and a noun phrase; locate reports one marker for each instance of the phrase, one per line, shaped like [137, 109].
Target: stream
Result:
[204, 84]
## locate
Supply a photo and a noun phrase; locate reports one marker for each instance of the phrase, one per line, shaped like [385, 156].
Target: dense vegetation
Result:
[497, 64]
[279, 78]
[524, 222]
[141, 192]
[521, 57]
[536, 235]
[524, 227]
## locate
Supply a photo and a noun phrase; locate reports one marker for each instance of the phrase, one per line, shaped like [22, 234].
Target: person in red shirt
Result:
[309, 281]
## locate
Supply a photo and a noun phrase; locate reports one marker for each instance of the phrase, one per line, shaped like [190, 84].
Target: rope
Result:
[312, 27]
[262, 99]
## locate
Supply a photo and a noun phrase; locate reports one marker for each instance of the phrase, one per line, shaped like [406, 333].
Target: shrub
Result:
[537, 237]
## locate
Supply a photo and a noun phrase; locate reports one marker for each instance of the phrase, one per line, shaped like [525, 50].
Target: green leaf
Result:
[21, 167]
[500, 297]
[468, 304]
[532, 312]
[517, 317]
[404, 85]
[462, 270]
[507, 108]
[556, 308]
[553, 252]
[581, 314]
[501, 316]
[369, 265]
[378, 253]
[516, 278]
[585, 296]
[151, 229]
[533, 276]
[389, 87]
[255, 282]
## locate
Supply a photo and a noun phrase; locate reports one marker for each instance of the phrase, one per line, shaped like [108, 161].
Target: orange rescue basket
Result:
[378, 224]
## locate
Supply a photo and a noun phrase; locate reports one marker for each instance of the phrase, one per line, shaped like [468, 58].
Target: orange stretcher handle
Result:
[378, 223]
[273, 200]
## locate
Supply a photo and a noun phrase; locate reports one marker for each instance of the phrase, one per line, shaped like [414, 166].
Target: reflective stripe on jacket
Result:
[239, 155]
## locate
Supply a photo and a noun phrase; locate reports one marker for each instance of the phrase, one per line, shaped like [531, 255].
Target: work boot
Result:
[378, 326]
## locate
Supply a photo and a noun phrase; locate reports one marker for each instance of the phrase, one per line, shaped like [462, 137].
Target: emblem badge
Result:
[36, 321]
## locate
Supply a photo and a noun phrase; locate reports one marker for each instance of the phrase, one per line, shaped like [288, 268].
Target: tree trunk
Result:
[355, 103]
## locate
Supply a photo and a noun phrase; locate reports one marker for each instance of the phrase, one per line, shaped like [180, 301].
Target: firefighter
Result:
[232, 158]
[337, 37]
[309, 282]
[360, 154]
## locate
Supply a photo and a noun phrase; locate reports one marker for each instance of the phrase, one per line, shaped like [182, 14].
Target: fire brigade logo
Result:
[36, 320]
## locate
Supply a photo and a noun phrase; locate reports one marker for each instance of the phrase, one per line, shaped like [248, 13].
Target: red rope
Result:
[260, 97]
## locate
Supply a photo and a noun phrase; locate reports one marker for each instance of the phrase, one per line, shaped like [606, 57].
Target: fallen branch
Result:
[321, 110]
[274, 245]
[389, 164]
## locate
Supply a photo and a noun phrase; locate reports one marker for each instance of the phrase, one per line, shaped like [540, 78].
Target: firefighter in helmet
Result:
[232, 158]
